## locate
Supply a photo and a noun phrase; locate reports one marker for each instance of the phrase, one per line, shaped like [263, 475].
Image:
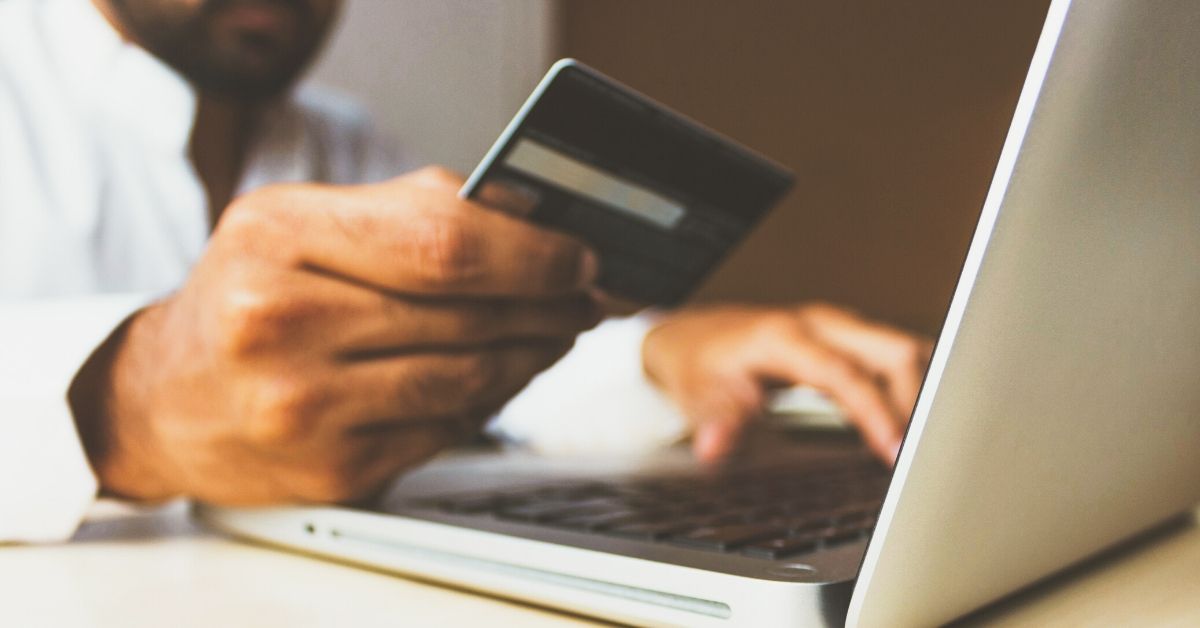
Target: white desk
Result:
[157, 569]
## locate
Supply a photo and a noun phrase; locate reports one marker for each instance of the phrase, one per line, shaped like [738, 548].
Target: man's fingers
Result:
[428, 386]
[412, 235]
[357, 467]
[416, 389]
[350, 320]
[509, 197]
[720, 415]
[804, 361]
[714, 440]
[897, 357]
[411, 326]
[398, 447]
[318, 315]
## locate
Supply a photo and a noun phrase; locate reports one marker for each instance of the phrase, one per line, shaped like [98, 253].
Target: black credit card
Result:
[661, 198]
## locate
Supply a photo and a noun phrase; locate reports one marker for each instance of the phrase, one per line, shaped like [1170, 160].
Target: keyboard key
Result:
[724, 538]
[537, 511]
[856, 517]
[798, 525]
[804, 506]
[764, 513]
[472, 505]
[605, 520]
[721, 519]
[838, 537]
[596, 521]
[649, 531]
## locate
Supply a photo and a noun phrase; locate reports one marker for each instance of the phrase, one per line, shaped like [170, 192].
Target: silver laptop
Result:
[1060, 415]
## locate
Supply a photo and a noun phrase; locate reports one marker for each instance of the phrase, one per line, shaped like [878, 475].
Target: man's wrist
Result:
[105, 399]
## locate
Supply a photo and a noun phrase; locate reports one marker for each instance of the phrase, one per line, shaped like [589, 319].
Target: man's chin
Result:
[244, 73]
[242, 87]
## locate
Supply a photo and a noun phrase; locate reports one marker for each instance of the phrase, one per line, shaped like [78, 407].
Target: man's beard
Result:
[246, 65]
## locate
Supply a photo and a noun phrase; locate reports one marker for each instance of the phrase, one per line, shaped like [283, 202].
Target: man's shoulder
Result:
[29, 69]
[39, 39]
[19, 27]
[17, 15]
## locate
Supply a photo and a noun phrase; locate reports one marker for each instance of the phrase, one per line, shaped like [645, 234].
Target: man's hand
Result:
[329, 338]
[718, 364]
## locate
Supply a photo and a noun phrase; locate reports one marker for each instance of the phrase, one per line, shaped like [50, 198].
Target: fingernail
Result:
[707, 440]
[713, 443]
[589, 268]
[895, 450]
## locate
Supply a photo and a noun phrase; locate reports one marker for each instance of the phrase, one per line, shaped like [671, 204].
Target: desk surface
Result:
[157, 569]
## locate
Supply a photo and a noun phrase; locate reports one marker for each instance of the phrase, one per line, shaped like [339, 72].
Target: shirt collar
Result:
[117, 80]
[120, 83]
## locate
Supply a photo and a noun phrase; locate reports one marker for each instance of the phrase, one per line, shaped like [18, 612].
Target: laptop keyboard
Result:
[768, 514]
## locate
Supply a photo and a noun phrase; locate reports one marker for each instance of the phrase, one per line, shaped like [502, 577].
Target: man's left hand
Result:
[718, 363]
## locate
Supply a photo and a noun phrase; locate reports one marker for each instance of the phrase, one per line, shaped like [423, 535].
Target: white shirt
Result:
[101, 212]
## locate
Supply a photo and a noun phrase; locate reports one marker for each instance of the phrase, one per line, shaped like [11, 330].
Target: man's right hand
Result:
[329, 338]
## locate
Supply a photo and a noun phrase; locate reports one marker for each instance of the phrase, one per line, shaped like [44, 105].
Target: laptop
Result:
[1060, 414]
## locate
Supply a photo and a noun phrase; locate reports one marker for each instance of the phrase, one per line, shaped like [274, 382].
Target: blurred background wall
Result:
[892, 114]
[442, 76]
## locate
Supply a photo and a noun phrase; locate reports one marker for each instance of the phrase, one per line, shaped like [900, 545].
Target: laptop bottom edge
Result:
[577, 580]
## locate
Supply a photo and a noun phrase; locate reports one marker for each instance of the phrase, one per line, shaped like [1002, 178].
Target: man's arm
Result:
[46, 484]
[329, 338]
[639, 383]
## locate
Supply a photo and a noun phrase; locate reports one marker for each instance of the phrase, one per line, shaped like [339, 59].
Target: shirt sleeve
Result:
[46, 484]
[596, 400]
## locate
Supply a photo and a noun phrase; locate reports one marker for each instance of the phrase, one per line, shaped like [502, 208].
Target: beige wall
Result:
[444, 76]
[892, 114]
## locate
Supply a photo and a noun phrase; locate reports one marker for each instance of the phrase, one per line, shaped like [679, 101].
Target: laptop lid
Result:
[1061, 412]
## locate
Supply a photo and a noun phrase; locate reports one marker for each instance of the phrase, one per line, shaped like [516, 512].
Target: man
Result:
[194, 301]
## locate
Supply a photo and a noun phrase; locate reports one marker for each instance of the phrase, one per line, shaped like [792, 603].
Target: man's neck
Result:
[220, 136]
[220, 140]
